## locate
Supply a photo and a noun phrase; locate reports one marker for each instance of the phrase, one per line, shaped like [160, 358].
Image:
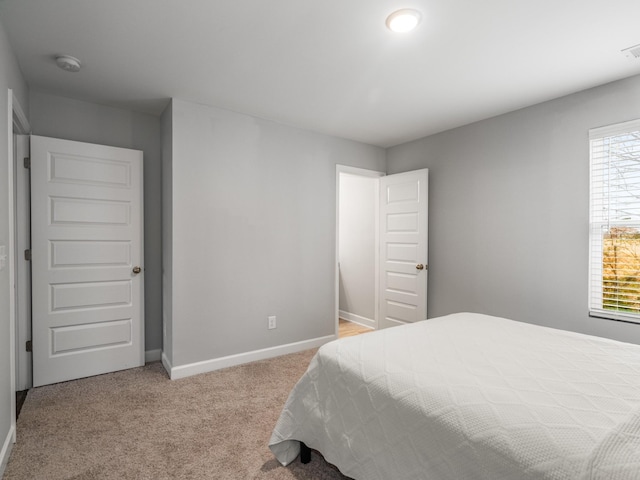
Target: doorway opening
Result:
[381, 247]
[357, 258]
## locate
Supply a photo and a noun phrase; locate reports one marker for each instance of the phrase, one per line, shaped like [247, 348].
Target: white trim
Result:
[352, 317]
[152, 355]
[336, 299]
[12, 273]
[16, 123]
[363, 172]
[7, 446]
[19, 119]
[196, 368]
[613, 315]
[376, 261]
[614, 129]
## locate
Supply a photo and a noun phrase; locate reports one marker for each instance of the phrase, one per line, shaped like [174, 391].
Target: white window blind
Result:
[614, 252]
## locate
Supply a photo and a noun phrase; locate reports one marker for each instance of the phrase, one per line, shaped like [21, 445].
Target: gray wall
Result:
[508, 212]
[357, 247]
[253, 232]
[53, 116]
[167, 229]
[10, 77]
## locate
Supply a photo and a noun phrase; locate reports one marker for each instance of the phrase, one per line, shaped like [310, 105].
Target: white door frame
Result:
[363, 173]
[17, 123]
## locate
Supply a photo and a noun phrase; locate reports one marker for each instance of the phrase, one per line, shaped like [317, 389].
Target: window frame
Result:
[596, 227]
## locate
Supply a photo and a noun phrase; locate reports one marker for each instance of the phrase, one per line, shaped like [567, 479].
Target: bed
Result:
[469, 396]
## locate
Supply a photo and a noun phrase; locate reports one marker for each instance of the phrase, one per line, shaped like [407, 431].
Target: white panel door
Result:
[403, 248]
[87, 276]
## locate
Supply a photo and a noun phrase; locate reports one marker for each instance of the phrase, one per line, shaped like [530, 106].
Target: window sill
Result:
[617, 317]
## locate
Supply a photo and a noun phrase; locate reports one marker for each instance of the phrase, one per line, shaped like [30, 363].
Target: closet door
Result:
[87, 277]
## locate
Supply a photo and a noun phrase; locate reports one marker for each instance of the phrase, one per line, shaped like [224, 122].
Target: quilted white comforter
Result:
[469, 396]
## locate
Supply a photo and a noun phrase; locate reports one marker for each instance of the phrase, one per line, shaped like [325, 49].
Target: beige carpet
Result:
[138, 424]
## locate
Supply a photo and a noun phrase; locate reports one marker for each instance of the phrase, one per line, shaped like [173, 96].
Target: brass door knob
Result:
[137, 270]
[419, 266]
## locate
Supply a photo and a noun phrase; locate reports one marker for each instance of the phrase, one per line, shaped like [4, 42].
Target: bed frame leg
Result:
[305, 453]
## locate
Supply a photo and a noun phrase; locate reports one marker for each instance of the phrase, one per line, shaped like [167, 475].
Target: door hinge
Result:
[29, 346]
[27, 162]
[27, 254]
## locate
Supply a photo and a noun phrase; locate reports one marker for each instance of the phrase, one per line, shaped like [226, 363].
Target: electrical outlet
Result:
[3, 257]
[272, 322]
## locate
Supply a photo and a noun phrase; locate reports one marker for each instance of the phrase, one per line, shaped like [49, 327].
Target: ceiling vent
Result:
[632, 53]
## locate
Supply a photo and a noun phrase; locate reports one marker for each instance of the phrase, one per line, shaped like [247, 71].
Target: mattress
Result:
[469, 396]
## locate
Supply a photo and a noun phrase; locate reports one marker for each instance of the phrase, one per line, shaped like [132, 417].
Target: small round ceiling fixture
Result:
[404, 20]
[68, 63]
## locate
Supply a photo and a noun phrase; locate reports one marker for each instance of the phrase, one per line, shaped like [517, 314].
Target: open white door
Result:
[403, 248]
[87, 280]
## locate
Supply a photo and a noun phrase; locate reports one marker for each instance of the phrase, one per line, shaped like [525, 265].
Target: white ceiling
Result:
[326, 65]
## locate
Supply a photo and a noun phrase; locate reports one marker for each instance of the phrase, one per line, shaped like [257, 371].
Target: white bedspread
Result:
[469, 396]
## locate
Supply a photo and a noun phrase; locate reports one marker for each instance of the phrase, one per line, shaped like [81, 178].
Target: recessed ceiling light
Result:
[68, 63]
[403, 20]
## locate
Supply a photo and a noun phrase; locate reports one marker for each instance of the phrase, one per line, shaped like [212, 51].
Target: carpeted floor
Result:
[138, 424]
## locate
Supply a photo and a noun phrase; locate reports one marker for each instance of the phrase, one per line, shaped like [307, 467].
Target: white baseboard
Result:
[166, 364]
[152, 355]
[6, 450]
[352, 317]
[188, 370]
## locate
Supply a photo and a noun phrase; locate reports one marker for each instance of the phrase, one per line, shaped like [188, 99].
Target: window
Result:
[614, 251]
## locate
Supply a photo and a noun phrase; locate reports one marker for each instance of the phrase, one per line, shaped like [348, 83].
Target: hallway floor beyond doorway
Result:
[348, 329]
